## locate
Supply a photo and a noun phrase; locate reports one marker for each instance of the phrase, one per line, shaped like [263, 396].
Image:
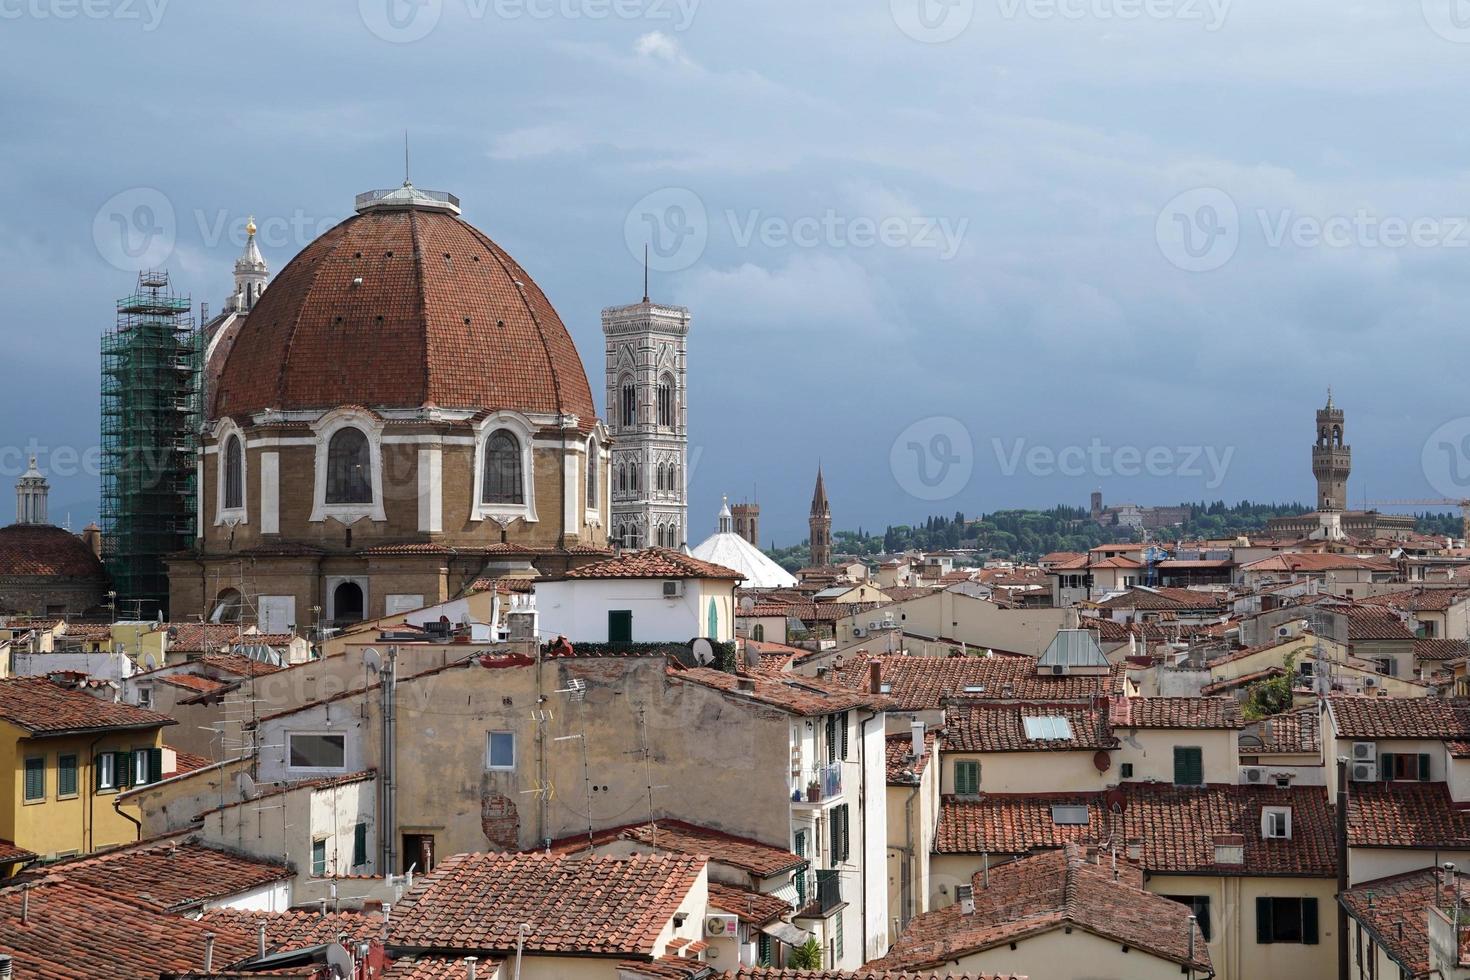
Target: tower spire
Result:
[250, 272]
[820, 524]
[30, 496]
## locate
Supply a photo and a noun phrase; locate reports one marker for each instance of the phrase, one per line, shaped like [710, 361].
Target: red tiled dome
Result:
[41, 550]
[441, 315]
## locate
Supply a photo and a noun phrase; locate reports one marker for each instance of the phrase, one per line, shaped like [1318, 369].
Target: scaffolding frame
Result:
[152, 411]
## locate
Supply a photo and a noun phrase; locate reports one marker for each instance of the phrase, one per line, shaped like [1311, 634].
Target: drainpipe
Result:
[387, 693]
[117, 807]
[863, 821]
[89, 825]
[1342, 867]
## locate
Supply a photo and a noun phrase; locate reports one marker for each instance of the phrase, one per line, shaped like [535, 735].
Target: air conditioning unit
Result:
[1370, 682]
[1365, 751]
[674, 589]
[717, 926]
[859, 631]
[1058, 669]
[1364, 772]
[1283, 631]
[964, 896]
[1254, 775]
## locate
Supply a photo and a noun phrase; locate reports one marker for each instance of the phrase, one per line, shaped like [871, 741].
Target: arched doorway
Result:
[347, 604]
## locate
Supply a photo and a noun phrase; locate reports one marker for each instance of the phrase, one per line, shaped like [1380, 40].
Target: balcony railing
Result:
[825, 898]
[819, 785]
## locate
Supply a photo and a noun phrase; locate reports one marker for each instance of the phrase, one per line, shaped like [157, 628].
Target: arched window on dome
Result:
[630, 404]
[666, 401]
[234, 473]
[503, 483]
[591, 474]
[349, 468]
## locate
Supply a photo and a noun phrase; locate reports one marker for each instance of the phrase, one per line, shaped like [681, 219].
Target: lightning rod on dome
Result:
[645, 272]
[406, 182]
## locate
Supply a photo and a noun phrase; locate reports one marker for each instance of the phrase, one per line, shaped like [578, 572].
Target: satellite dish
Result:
[703, 651]
[247, 787]
[372, 660]
[149, 662]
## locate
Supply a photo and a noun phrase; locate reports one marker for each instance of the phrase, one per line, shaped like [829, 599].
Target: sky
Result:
[968, 254]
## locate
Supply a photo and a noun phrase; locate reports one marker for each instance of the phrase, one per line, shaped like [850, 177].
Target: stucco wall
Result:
[578, 609]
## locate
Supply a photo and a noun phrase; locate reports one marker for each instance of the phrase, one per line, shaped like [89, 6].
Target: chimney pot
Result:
[260, 941]
[5, 967]
[209, 952]
[916, 730]
[875, 677]
[469, 967]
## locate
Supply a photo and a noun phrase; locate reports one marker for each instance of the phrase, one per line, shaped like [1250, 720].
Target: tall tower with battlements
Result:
[1331, 459]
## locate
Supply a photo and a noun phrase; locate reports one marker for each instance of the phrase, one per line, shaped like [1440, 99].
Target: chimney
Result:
[1190, 927]
[1134, 848]
[92, 538]
[916, 731]
[1229, 849]
[209, 952]
[5, 968]
[260, 941]
[875, 677]
[965, 896]
[469, 967]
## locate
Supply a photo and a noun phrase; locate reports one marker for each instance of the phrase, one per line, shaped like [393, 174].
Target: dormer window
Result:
[1276, 823]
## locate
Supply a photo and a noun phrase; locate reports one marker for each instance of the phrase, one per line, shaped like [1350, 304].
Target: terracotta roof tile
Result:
[924, 683]
[1013, 824]
[1291, 732]
[903, 768]
[999, 726]
[295, 929]
[43, 708]
[1362, 717]
[798, 695]
[1440, 650]
[653, 563]
[1166, 598]
[1395, 911]
[870, 972]
[41, 550]
[1061, 889]
[438, 968]
[10, 854]
[193, 682]
[1176, 713]
[585, 904]
[753, 907]
[679, 837]
[1408, 815]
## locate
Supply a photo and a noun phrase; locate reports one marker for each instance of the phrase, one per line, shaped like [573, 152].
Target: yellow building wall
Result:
[1057, 954]
[1233, 948]
[80, 823]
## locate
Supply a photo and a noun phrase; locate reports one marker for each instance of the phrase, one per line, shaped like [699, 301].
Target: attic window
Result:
[1068, 815]
[974, 688]
[1047, 727]
[1276, 823]
[885, 688]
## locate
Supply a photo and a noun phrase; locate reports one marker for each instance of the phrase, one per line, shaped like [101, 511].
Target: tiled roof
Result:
[903, 768]
[213, 637]
[1394, 910]
[584, 904]
[753, 907]
[10, 854]
[1243, 680]
[294, 929]
[452, 319]
[279, 789]
[1420, 600]
[999, 726]
[193, 682]
[678, 837]
[923, 683]
[188, 762]
[1037, 895]
[1291, 732]
[1175, 713]
[653, 563]
[66, 922]
[1177, 826]
[1166, 598]
[1441, 650]
[1362, 717]
[175, 873]
[1013, 823]
[438, 968]
[1375, 623]
[1318, 563]
[805, 696]
[864, 973]
[45, 551]
[43, 708]
[238, 664]
[1411, 815]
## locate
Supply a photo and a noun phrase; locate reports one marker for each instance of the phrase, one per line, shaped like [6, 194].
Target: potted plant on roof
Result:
[814, 792]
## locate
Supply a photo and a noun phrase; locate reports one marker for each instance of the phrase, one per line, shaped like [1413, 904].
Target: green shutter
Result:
[840, 842]
[1309, 921]
[763, 956]
[1263, 921]
[66, 776]
[155, 765]
[35, 779]
[1189, 769]
[1423, 767]
[966, 777]
[620, 626]
[831, 737]
[842, 720]
[359, 845]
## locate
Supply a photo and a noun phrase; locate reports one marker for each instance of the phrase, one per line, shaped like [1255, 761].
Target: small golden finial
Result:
[250, 226]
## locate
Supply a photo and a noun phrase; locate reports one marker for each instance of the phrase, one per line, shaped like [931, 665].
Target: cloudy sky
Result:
[970, 254]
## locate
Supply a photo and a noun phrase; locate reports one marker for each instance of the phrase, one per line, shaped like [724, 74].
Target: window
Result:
[147, 766]
[1189, 766]
[758, 632]
[666, 401]
[633, 476]
[106, 765]
[966, 777]
[234, 473]
[1069, 815]
[841, 844]
[35, 779]
[837, 940]
[1276, 822]
[500, 750]
[592, 475]
[145, 697]
[799, 879]
[1286, 920]
[319, 858]
[1126, 770]
[1047, 727]
[1403, 767]
[359, 845]
[630, 404]
[763, 951]
[312, 751]
[1200, 906]
[502, 483]
[620, 626]
[66, 776]
[837, 736]
[349, 468]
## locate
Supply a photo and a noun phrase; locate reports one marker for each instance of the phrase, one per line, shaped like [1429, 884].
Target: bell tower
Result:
[251, 274]
[820, 524]
[648, 419]
[1331, 458]
[30, 496]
